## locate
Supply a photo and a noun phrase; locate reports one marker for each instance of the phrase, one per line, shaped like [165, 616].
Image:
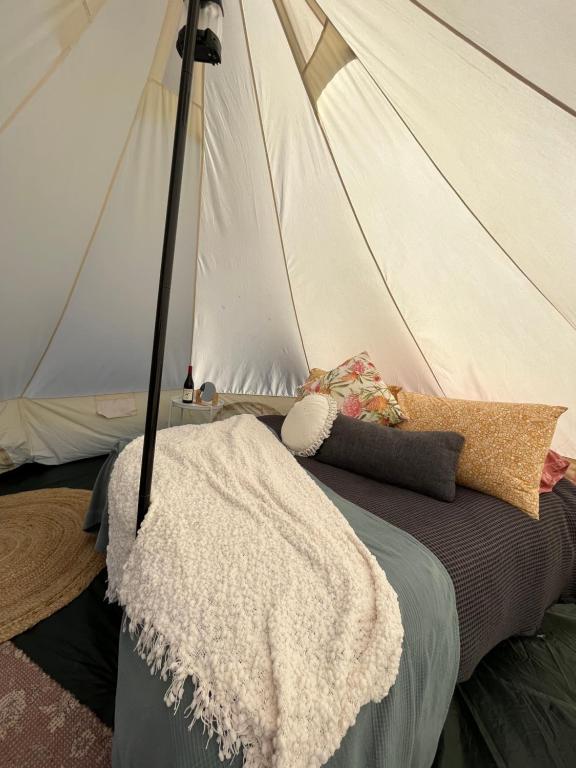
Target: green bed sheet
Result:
[402, 731]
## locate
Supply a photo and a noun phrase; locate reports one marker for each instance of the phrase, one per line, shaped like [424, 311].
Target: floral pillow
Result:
[358, 389]
[317, 373]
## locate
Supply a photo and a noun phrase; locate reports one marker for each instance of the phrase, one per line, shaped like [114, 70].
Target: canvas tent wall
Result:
[385, 175]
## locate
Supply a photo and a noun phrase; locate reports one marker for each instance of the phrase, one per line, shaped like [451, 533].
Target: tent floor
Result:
[517, 711]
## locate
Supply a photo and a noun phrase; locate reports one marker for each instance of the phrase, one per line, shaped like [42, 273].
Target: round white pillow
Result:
[308, 424]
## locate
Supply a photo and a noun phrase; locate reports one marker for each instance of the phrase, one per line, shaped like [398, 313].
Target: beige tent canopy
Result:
[387, 175]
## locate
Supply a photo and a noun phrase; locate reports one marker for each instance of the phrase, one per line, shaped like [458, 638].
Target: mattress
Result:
[507, 568]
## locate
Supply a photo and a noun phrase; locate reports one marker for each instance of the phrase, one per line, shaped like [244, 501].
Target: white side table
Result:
[206, 413]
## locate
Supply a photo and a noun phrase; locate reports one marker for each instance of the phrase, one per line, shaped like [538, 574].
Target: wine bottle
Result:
[188, 389]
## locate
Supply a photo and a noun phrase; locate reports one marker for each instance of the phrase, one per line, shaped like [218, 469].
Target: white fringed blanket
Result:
[247, 579]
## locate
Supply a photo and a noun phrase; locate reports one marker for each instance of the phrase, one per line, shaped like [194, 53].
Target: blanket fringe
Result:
[224, 720]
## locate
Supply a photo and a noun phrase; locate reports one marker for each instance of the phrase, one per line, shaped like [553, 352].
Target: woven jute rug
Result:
[41, 724]
[46, 560]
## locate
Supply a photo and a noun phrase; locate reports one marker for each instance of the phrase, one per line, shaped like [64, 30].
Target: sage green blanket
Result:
[402, 731]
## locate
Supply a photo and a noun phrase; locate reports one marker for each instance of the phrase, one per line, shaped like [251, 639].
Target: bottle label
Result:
[188, 396]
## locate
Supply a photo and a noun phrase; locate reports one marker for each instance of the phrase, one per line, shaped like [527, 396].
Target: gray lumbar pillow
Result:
[421, 461]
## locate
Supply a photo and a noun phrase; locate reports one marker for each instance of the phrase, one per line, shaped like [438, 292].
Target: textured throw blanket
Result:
[246, 579]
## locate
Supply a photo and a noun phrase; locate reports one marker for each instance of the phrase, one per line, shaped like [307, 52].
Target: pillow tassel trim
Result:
[324, 432]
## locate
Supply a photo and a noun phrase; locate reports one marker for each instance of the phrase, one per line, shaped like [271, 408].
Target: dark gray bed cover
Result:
[507, 568]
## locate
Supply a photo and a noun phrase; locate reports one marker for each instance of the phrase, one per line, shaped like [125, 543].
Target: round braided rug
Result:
[46, 560]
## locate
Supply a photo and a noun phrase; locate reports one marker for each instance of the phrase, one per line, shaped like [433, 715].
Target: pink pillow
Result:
[554, 470]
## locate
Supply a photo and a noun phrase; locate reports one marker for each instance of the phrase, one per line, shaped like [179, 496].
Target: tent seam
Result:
[316, 10]
[461, 198]
[49, 72]
[271, 179]
[361, 229]
[507, 68]
[282, 12]
[35, 88]
[90, 241]
[316, 47]
[98, 221]
[202, 172]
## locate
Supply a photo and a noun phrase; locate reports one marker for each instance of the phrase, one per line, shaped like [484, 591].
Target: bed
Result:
[503, 570]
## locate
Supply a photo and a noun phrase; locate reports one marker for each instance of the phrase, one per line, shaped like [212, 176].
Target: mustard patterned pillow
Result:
[505, 443]
[358, 389]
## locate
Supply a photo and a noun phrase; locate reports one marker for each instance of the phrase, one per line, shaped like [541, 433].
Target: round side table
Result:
[207, 412]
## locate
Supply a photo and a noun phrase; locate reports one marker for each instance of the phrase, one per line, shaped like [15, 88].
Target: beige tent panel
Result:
[115, 277]
[57, 430]
[535, 41]
[71, 179]
[305, 25]
[34, 38]
[14, 447]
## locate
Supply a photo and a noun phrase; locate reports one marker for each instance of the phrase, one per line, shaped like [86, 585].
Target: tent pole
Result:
[167, 263]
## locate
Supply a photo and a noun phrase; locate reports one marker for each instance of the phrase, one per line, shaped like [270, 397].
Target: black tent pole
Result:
[170, 228]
